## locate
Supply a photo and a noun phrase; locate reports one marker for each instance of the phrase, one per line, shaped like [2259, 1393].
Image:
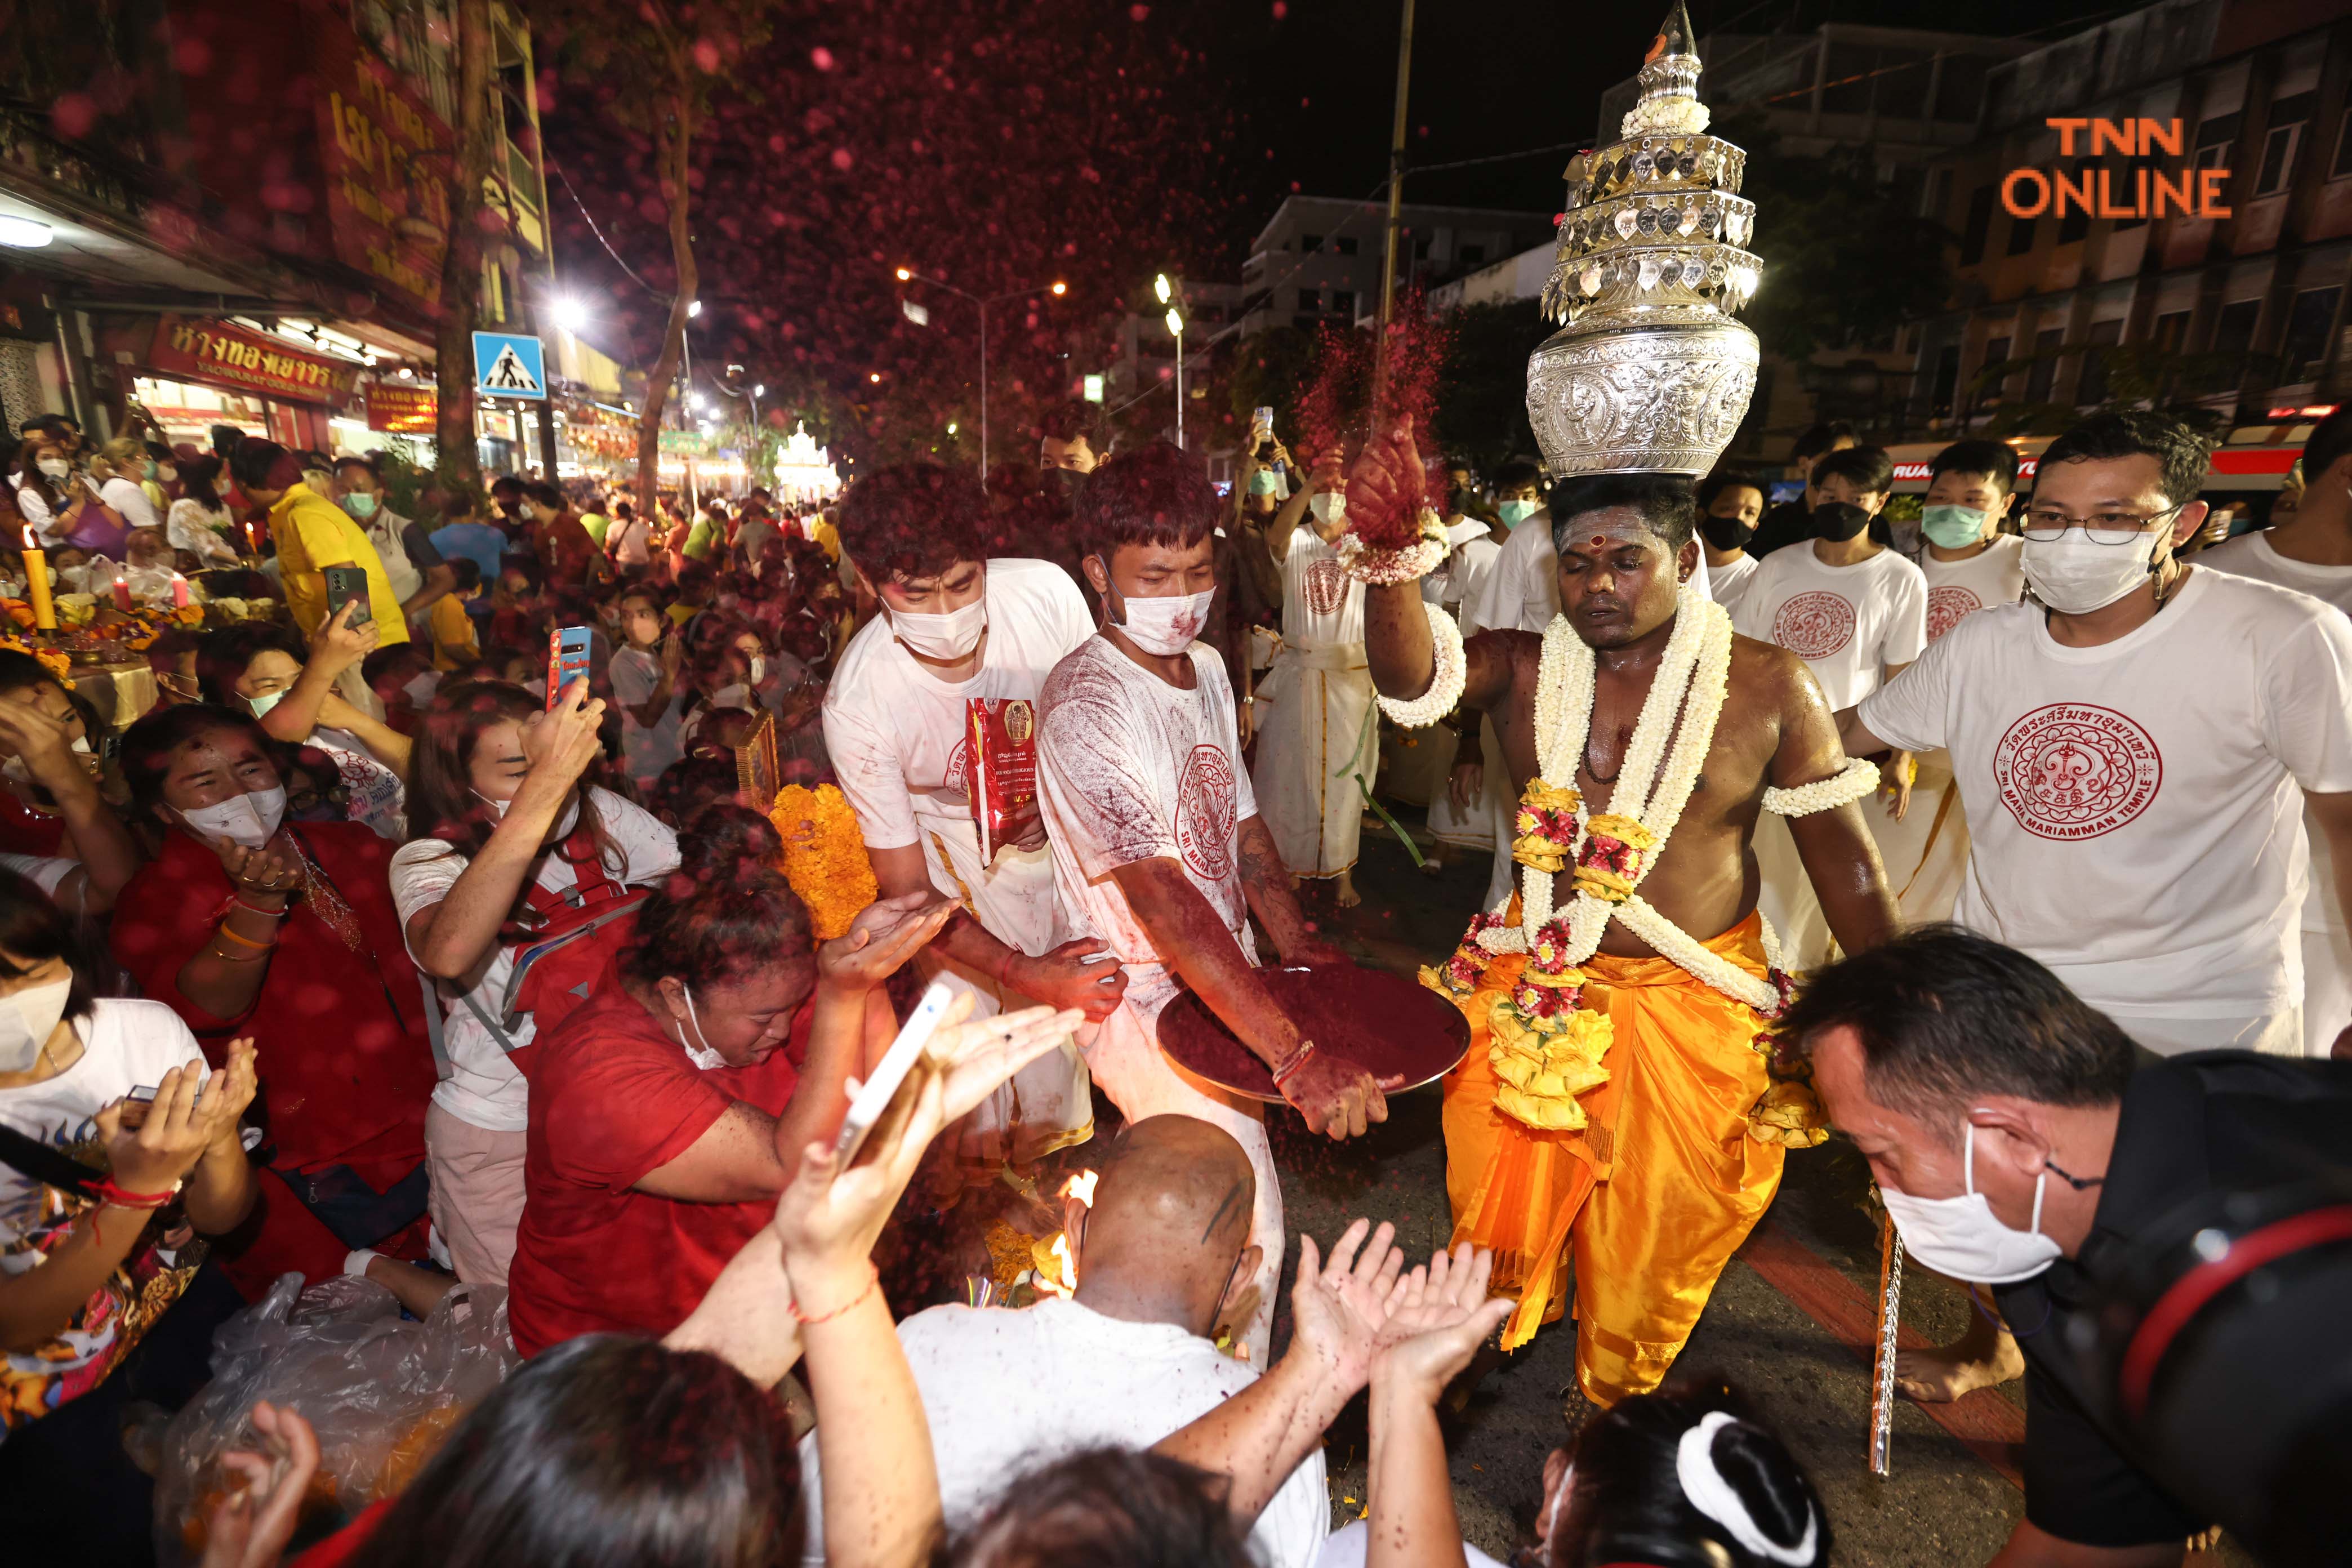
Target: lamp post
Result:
[1057, 288]
[1173, 296]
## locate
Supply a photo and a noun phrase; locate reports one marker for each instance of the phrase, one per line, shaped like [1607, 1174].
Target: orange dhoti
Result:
[1652, 1197]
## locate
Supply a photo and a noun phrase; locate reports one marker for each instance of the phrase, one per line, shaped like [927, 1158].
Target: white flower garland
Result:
[1852, 782]
[1445, 685]
[1367, 564]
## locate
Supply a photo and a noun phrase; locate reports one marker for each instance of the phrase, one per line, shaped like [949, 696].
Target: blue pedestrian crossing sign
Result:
[508, 365]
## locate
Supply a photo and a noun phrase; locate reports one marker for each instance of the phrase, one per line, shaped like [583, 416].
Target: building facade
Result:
[2210, 268]
[1318, 258]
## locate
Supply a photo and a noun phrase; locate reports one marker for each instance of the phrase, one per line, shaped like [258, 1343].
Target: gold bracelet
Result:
[240, 957]
[223, 929]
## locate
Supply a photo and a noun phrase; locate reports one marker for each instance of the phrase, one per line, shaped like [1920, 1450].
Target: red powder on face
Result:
[1390, 1026]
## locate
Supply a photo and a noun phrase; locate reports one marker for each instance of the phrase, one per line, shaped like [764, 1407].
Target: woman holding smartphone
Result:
[112, 1164]
[515, 841]
[294, 694]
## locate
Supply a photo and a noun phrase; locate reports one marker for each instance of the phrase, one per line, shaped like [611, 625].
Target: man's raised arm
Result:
[1388, 480]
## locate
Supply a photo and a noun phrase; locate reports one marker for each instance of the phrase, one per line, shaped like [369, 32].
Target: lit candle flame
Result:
[1082, 1187]
[1069, 1281]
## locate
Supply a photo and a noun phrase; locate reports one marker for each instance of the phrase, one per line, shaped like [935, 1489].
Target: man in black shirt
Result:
[2020, 1139]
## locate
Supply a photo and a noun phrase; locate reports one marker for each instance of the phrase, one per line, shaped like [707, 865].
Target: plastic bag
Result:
[380, 1392]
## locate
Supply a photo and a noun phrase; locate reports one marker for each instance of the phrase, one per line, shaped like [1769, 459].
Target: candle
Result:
[37, 584]
[123, 592]
[179, 591]
[252, 540]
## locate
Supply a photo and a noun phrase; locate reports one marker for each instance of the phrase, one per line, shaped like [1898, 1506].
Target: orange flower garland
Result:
[825, 855]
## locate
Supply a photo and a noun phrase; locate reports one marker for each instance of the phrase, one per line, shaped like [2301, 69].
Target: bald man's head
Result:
[1170, 1218]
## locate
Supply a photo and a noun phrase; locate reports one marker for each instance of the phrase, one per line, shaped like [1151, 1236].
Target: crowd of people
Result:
[423, 931]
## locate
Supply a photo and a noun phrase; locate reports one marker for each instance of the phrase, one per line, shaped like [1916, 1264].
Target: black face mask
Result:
[1838, 520]
[1727, 532]
[1069, 482]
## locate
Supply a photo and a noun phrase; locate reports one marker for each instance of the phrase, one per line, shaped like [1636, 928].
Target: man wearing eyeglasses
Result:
[2129, 744]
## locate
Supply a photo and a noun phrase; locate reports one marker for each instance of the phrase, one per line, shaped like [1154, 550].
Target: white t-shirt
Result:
[630, 540]
[129, 498]
[895, 731]
[2252, 555]
[648, 750]
[375, 796]
[46, 872]
[126, 1045]
[46, 524]
[1847, 623]
[1130, 768]
[1457, 583]
[1729, 582]
[483, 1088]
[2132, 810]
[1993, 576]
[1322, 607]
[1007, 1390]
[1521, 590]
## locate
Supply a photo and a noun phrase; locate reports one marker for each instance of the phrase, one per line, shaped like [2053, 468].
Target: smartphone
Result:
[141, 1101]
[347, 585]
[873, 1096]
[567, 661]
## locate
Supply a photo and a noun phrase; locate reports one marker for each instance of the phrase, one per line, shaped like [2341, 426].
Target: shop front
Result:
[190, 373]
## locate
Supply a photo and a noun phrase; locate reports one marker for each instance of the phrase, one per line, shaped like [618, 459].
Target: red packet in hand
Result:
[1004, 777]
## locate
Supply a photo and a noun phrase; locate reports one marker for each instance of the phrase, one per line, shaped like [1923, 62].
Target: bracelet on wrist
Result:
[277, 914]
[116, 1197]
[224, 931]
[873, 1281]
[1289, 1067]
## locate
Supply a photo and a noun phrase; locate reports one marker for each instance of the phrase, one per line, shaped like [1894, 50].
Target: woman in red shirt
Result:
[247, 924]
[668, 1111]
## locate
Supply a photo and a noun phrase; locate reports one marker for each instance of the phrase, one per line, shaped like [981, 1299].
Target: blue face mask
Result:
[360, 504]
[1262, 482]
[1514, 513]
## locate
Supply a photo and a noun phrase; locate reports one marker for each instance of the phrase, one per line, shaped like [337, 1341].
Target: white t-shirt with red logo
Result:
[896, 731]
[1130, 768]
[2133, 809]
[1322, 607]
[1994, 575]
[1847, 623]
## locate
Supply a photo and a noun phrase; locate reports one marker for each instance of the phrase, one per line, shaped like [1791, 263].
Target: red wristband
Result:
[108, 1193]
[1290, 1064]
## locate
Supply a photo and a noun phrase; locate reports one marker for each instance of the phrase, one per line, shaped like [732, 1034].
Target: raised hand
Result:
[883, 936]
[1340, 1306]
[43, 741]
[562, 742]
[828, 1217]
[250, 1526]
[338, 644]
[975, 1055]
[1436, 1318]
[1388, 483]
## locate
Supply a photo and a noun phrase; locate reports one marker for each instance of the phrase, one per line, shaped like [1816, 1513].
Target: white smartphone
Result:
[873, 1096]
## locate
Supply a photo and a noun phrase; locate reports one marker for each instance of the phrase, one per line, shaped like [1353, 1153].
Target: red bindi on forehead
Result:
[1599, 539]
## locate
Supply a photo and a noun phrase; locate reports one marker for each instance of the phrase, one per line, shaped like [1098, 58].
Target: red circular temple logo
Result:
[1204, 813]
[1945, 608]
[2072, 771]
[959, 768]
[1814, 624]
[1324, 586]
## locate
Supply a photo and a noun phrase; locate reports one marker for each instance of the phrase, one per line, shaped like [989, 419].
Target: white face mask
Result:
[27, 1019]
[1328, 506]
[250, 819]
[1961, 1236]
[266, 702]
[421, 689]
[701, 1056]
[55, 467]
[2074, 573]
[15, 767]
[563, 829]
[1164, 626]
[950, 636]
[759, 667]
[735, 696]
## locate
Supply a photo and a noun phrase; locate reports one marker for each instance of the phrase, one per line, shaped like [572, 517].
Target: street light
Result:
[569, 314]
[1173, 296]
[693, 308]
[1057, 288]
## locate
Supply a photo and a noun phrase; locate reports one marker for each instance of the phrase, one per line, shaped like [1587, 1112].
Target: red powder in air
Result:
[821, 57]
[1335, 412]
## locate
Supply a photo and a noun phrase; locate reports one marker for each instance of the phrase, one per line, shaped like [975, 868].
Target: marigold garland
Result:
[825, 855]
